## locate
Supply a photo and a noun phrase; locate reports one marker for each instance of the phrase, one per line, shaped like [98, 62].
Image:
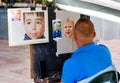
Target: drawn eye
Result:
[38, 22]
[70, 26]
[28, 22]
[65, 27]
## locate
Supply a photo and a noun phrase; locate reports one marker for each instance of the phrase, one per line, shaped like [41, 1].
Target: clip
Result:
[32, 8]
[43, 7]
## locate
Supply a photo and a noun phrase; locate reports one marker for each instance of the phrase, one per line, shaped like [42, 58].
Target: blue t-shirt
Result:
[85, 62]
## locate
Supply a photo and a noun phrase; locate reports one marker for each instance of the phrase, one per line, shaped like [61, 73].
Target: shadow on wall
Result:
[3, 24]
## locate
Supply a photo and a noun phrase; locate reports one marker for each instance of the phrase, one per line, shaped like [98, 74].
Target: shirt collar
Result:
[84, 48]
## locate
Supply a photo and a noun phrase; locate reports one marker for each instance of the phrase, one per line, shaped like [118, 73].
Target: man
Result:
[89, 59]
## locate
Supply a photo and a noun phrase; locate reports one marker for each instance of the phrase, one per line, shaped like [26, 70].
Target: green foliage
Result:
[45, 2]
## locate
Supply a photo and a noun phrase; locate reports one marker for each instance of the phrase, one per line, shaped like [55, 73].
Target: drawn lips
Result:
[68, 32]
[33, 34]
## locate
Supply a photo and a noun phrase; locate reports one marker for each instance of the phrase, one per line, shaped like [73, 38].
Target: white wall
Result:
[106, 30]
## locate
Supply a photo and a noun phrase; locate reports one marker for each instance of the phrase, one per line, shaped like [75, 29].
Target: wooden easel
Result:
[51, 16]
[32, 72]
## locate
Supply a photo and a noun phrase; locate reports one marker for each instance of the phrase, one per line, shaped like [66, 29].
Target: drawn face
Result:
[34, 25]
[16, 15]
[68, 28]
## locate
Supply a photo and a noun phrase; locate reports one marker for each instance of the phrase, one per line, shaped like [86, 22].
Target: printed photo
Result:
[57, 29]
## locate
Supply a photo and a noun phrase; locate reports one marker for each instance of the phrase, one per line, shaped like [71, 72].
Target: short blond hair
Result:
[68, 20]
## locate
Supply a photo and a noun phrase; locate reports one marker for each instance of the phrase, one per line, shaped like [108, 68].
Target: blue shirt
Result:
[85, 62]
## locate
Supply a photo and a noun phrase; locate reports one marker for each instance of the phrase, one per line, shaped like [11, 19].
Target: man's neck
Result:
[83, 43]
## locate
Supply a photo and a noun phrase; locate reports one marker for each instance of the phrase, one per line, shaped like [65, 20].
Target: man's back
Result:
[90, 58]
[85, 62]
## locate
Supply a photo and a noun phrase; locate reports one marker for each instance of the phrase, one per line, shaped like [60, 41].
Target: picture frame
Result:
[26, 26]
[57, 29]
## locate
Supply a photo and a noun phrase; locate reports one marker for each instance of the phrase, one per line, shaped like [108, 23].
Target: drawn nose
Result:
[34, 27]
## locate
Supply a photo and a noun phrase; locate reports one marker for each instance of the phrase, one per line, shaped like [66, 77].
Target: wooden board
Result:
[32, 72]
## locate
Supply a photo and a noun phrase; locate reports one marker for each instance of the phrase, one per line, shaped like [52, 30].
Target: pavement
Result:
[15, 61]
[14, 64]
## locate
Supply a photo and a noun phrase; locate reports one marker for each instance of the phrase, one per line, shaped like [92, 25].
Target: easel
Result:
[50, 47]
[51, 16]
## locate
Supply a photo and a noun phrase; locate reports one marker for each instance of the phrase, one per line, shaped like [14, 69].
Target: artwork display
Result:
[68, 20]
[66, 28]
[26, 26]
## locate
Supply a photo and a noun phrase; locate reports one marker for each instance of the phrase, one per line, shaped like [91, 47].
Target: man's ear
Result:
[75, 36]
[94, 34]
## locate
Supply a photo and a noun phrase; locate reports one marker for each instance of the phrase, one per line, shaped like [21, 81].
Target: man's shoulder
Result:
[103, 46]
